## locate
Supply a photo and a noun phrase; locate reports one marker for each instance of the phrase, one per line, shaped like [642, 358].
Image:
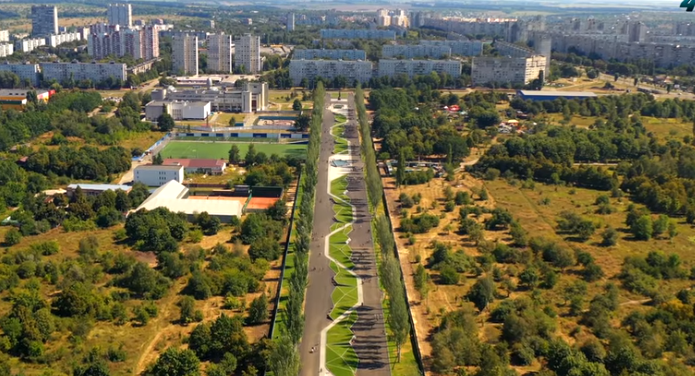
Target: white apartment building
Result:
[44, 20]
[310, 54]
[95, 72]
[542, 46]
[179, 110]
[28, 72]
[6, 49]
[357, 34]
[28, 45]
[507, 70]
[360, 71]
[157, 175]
[219, 53]
[138, 42]
[185, 54]
[247, 54]
[120, 14]
[4, 35]
[252, 97]
[54, 40]
[415, 51]
[412, 68]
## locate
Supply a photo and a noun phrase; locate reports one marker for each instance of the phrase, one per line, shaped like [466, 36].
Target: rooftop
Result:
[171, 196]
[100, 187]
[159, 167]
[540, 93]
[195, 163]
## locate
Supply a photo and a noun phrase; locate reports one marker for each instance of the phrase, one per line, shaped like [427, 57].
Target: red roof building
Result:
[198, 166]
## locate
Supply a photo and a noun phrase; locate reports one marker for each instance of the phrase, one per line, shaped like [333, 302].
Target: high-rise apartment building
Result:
[290, 22]
[140, 43]
[44, 20]
[507, 70]
[220, 53]
[185, 54]
[120, 14]
[248, 54]
[6, 49]
[360, 71]
[412, 68]
[4, 35]
[26, 72]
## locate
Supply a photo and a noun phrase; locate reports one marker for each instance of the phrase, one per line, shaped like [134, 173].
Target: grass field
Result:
[220, 150]
[341, 358]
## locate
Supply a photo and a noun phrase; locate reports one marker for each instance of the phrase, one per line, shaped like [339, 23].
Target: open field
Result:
[220, 150]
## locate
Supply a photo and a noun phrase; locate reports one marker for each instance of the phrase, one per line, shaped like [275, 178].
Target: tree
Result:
[609, 237]
[232, 121]
[187, 307]
[284, 358]
[234, 155]
[95, 368]
[297, 105]
[482, 293]
[174, 362]
[165, 122]
[400, 170]
[642, 228]
[12, 237]
[398, 318]
[258, 310]
[208, 224]
[250, 155]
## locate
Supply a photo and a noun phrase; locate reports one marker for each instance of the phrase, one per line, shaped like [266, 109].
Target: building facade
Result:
[357, 34]
[120, 14]
[458, 47]
[542, 46]
[138, 42]
[44, 20]
[4, 35]
[412, 68]
[360, 71]
[185, 54]
[96, 72]
[6, 49]
[415, 51]
[220, 53]
[179, 110]
[252, 97]
[26, 72]
[158, 175]
[507, 70]
[16, 99]
[248, 54]
[55, 40]
[311, 54]
[290, 22]
[28, 45]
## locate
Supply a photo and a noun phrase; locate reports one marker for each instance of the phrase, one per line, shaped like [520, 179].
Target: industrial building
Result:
[44, 20]
[252, 97]
[120, 14]
[219, 53]
[412, 68]
[96, 72]
[16, 99]
[174, 196]
[404, 51]
[179, 110]
[158, 175]
[198, 166]
[247, 54]
[358, 70]
[357, 34]
[185, 54]
[311, 54]
[507, 70]
[537, 95]
[96, 189]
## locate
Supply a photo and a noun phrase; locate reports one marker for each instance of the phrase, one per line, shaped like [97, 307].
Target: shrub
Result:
[449, 206]
[609, 237]
[420, 224]
[642, 228]
[448, 275]
[406, 201]
[492, 174]
[12, 237]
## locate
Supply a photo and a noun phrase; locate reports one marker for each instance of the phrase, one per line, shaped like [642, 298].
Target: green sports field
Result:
[217, 150]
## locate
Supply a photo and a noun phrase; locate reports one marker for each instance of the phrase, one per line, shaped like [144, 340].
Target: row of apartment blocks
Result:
[61, 72]
[433, 49]
[613, 46]
[310, 54]
[30, 44]
[247, 53]
[138, 42]
[512, 30]
[363, 71]
[357, 34]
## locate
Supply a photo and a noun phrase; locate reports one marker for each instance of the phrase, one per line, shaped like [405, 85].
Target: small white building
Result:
[156, 175]
[179, 110]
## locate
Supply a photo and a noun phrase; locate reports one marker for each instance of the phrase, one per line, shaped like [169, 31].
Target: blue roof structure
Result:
[537, 95]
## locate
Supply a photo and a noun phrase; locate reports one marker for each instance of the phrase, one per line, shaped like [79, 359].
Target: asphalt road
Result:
[318, 294]
[370, 337]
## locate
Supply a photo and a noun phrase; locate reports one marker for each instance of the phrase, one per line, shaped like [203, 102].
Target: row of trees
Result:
[284, 359]
[390, 271]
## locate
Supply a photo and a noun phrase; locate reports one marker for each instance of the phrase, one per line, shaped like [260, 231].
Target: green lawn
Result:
[341, 144]
[343, 211]
[341, 358]
[339, 250]
[220, 150]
